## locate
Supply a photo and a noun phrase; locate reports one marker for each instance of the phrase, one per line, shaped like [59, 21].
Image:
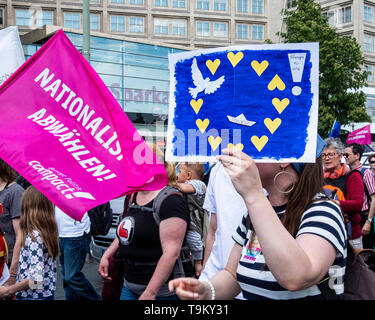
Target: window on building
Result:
[257, 6]
[242, 31]
[23, 17]
[95, 22]
[117, 1]
[161, 26]
[203, 4]
[117, 23]
[94, 0]
[242, 6]
[257, 32]
[136, 2]
[345, 15]
[1, 17]
[72, 20]
[44, 18]
[331, 17]
[179, 27]
[179, 3]
[161, 3]
[203, 29]
[368, 43]
[220, 5]
[290, 3]
[367, 11]
[136, 24]
[220, 30]
[369, 69]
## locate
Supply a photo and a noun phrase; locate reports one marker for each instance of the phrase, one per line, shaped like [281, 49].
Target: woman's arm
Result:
[7, 291]
[225, 283]
[210, 239]
[16, 252]
[172, 233]
[104, 261]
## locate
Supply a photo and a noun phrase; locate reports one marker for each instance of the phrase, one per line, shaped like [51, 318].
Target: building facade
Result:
[137, 75]
[356, 18]
[190, 23]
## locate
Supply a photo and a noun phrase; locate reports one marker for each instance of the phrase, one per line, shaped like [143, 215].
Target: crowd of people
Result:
[272, 231]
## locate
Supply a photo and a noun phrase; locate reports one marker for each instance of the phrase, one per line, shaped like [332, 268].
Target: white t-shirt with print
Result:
[223, 200]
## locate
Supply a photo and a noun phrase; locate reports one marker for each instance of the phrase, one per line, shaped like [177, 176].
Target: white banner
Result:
[11, 53]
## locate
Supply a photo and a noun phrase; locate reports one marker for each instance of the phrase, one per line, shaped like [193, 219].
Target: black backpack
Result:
[359, 280]
[101, 219]
[199, 217]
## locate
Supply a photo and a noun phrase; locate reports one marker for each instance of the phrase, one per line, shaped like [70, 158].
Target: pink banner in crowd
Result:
[360, 136]
[63, 130]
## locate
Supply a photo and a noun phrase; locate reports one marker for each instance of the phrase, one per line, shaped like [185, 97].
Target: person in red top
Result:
[352, 205]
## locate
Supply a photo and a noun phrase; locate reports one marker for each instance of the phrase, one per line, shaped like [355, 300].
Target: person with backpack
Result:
[350, 183]
[286, 243]
[189, 181]
[353, 153]
[151, 241]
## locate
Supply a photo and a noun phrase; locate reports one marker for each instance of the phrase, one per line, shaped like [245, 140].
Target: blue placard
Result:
[260, 99]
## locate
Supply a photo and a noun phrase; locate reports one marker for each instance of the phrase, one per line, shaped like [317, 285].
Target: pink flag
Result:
[360, 136]
[63, 130]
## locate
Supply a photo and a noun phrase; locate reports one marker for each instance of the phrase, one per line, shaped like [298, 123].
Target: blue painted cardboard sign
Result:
[262, 99]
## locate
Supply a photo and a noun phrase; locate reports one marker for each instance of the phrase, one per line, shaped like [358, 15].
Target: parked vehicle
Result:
[100, 243]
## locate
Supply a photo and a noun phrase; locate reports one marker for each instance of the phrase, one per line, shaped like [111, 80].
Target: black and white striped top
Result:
[324, 219]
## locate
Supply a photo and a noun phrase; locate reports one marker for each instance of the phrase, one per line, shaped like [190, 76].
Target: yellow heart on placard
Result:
[214, 142]
[272, 125]
[276, 82]
[259, 67]
[280, 105]
[213, 65]
[196, 105]
[235, 58]
[238, 146]
[259, 143]
[202, 125]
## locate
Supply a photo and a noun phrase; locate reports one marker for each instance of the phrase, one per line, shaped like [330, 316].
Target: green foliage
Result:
[340, 66]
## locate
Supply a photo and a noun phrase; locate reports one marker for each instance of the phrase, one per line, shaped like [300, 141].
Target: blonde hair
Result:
[169, 167]
[37, 213]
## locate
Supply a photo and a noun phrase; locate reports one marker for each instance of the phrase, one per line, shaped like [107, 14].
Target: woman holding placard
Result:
[286, 243]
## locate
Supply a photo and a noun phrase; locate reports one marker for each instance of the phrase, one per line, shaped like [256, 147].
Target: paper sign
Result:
[262, 99]
[11, 53]
[66, 134]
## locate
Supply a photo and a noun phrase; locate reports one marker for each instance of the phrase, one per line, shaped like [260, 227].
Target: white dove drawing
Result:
[203, 84]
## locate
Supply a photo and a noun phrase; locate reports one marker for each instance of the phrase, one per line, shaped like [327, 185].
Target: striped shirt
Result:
[369, 181]
[323, 219]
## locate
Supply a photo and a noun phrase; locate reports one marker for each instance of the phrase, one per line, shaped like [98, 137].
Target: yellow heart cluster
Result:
[272, 125]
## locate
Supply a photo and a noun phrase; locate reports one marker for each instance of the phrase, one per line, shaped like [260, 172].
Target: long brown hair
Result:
[37, 213]
[309, 183]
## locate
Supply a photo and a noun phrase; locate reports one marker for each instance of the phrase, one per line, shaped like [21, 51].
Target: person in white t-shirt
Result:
[74, 245]
[227, 208]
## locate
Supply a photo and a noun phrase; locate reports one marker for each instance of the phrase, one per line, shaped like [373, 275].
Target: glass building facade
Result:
[137, 74]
